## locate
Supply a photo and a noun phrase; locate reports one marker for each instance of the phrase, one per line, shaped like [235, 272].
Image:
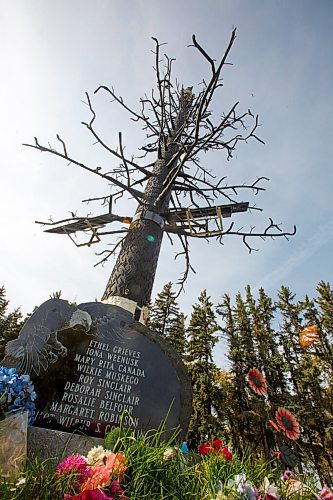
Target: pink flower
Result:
[88, 495]
[326, 494]
[75, 465]
[100, 478]
[116, 463]
[102, 475]
[289, 474]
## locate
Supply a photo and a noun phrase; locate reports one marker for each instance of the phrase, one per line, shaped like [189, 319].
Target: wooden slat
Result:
[172, 216]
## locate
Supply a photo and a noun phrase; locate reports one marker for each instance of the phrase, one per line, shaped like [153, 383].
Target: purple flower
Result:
[289, 474]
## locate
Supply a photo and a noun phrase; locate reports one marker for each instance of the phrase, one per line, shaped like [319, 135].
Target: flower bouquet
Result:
[94, 477]
[17, 409]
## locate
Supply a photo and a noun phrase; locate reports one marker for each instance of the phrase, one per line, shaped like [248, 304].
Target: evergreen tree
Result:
[315, 368]
[10, 323]
[237, 397]
[298, 377]
[308, 398]
[176, 333]
[270, 360]
[165, 311]
[325, 303]
[288, 335]
[226, 406]
[201, 340]
[167, 320]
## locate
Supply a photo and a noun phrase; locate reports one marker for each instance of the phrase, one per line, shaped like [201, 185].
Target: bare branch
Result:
[204, 53]
[121, 102]
[63, 145]
[108, 253]
[188, 266]
[124, 159]
[134, 192]
[105, 146]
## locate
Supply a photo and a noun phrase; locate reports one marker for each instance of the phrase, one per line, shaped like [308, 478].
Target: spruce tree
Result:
[167, 320]
[201, 340]
[10, 323]
[288, 334]
[176, 333]
[325, 303]
[315, 368]
[270, 359]
[164, 311]
[236, 395]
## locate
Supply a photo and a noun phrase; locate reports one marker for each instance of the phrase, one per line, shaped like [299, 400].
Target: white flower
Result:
[97, 454]
[270, 489]
[21, 481]
[169, 453]
[243, 487]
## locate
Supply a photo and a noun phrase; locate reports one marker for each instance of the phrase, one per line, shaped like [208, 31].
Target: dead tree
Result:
[175, 192]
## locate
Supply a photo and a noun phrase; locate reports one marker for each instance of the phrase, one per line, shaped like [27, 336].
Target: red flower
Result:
[216, 444]
[288, 423]
[257, 382]
[205, 449]
[227, 454]
[211, 447]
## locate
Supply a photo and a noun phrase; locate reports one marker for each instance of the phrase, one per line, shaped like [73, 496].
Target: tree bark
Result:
[134, 271]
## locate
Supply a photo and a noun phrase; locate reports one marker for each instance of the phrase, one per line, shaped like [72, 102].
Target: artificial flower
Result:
[114, 491]
[269, 491]
[216, 444]
[226, 453]
[169, 453]
[243, 487]
[289, 474]
[21, 481]
[205, 449]
[273, 424]
[76, 465]
[257, 382]
[102, 475]
[97, 455]
[308, 335]
[295, 487]
[88, 495]
[184, 447]
[16, 393]
[326, 494]
[117, 463]
[288, 423]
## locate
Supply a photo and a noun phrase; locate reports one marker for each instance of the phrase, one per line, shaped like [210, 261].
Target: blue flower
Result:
[16, 392]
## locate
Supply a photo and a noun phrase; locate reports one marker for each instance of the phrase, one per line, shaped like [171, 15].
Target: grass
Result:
[150, 475]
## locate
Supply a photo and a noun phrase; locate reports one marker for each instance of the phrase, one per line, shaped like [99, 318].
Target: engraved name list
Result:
[107, 390]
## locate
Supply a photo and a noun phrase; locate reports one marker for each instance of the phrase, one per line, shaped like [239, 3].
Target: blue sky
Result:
[52, 52]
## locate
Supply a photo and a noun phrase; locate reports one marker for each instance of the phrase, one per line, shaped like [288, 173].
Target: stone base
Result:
[57, 445]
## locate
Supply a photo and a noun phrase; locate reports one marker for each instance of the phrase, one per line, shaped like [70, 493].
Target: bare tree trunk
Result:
[134, 271]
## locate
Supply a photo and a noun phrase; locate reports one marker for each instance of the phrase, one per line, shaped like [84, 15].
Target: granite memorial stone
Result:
[94, 367]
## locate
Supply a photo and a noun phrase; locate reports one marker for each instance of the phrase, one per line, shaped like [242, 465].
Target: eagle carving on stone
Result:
[38, 345]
